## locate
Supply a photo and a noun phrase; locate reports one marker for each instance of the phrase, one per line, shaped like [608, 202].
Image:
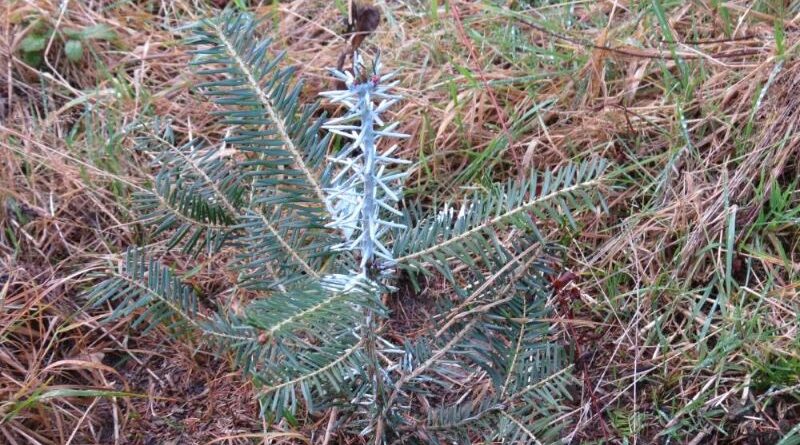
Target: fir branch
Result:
[517, 349]
[530, 204]
[521, 267]
[175, 308]
[345, 355]
[221, 197]
[434, 358]
[155, 295]
[314, 300]
[363, 190]
[174, 211]
[522, 427]
[287, 247]
[266, 103]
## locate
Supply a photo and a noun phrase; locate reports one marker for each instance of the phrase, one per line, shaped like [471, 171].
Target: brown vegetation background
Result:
[685, 298]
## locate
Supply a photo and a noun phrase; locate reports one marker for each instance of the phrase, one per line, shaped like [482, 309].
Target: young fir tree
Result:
[320, 239]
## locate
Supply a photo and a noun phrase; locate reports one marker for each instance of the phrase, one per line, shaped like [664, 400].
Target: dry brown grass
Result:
[685, 293]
